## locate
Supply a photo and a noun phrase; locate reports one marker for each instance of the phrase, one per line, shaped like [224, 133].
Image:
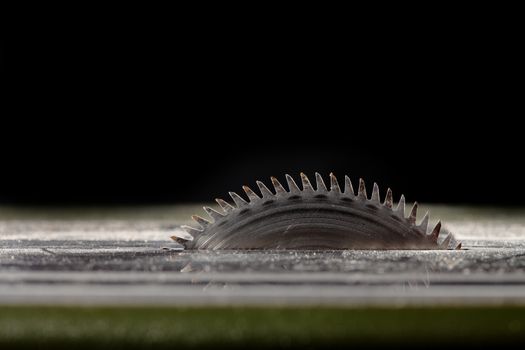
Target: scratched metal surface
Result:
[119, 256]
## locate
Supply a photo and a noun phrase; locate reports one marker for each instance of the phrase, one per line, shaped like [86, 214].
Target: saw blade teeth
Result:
[321, 187]
[400, 211]
[239, 201]
[361, 193]
[279, 189]
[307, 186]
[334, 185]
[424, 223]
[178, 239]
[292, 186]
[435, 232]
[388, 199]
[191, 230]
[227, 207]
[375, 194]
[186, 235]
[215, 215]
[446, 242]
[251, 195]
[349, 189]
[413, 214]
[329, 217]
[201, 221]
[265, 191]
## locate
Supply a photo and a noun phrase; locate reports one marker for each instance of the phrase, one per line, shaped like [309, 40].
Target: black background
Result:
[147, 108]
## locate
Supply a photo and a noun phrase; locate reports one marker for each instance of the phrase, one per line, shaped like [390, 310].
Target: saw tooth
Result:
[400, 211]
[388, 199]
[266, 193]
[349, 189]
[413, 214]
[321, 187]
[215, 215]
[193, 231]
[307, 186]
[179, 240]
[292, 186]
[186, 235]
[424, 223]
[334, 185]
[458, 247]
[435, 232]
[375, 194]
[239, 201]
[227, 207]
[361, 193]
[201, 221]
[446, 242]
[251, 195]
[279, 189]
